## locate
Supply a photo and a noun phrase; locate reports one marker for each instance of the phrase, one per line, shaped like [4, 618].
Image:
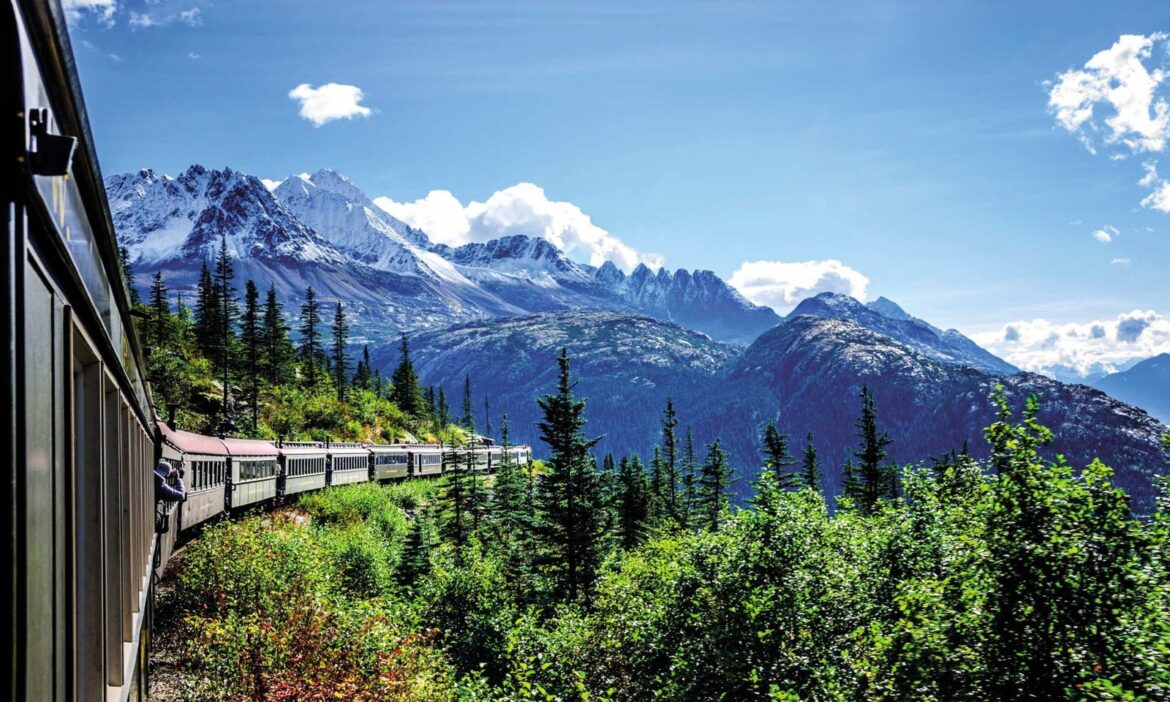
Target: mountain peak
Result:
[888, 308]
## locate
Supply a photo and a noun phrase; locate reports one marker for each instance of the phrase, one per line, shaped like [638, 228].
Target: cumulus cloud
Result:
[329, 102]
[1120, 262]
[1118, 81]
[525, 209]
[1105, 234]
[1159, 199]
[101, 11]
[781, 285]
[1080, 349]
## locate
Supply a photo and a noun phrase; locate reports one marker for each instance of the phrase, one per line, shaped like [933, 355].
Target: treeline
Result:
[230, 364]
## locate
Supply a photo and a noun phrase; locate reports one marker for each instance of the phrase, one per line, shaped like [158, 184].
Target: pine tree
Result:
[633, 502]
[310, 336]
[670, 461]
[251, 341]
[511, 511]
[362, 378]
[444, 411]
[229, 312]
[429, 400]
[713, 485]
[128, 273]
[208, 314]
[810, 467]
[872, 481]
[159, 331]
[453, 498]
[658, 502]
[467, 420]
[416, 552]
[777, 458]
[690, 465]
[567, 525]
[340, 360]
[278, 348]
[405, 391]
[487, 417]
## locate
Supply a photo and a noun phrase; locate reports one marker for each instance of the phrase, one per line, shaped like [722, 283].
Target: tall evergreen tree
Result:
[512, 514]
[278, 348]
[633, 502]
[208, 316]
[429, 403]
[252, 345]
[455, 501]
[404, 390]
[873, 480]
[311, 337]
[229, 312]
[128, 272]
[713, 485]
[487, 417]
[690, 484]
[658, 502]
[158, 335]
[340, 359]
[670, 461]
[416, 551]
[810, 467]
[777, 458]
[444, 409]
[467, 419]
[568, 528]
[362, 377]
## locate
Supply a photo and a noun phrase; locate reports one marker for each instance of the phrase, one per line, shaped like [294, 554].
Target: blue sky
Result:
[913, 143]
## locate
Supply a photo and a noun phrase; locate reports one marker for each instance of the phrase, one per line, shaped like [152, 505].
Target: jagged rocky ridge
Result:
[807, 373]
[323, 231]
[1145, 385]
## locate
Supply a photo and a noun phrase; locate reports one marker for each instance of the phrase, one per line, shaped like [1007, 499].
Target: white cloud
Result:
[525, 209]
[193, 56]
[1118, 80]
[142, 20]
[192, 17]
[781, 285]
[100, 10]
[1120, 262]
[329, 102]
[1151, 175]
[1159, 199]
[1105, 234]
[1098, 346]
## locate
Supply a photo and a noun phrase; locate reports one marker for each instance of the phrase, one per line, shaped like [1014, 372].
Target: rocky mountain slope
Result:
[1145, 385]
[321, 230]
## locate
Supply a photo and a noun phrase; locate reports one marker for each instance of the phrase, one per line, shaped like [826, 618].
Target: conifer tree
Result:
[208, 315]
[310, 336]
[340, 360]
[690, 466]
[872, 481]
[229, 312]
[252, 345]
[511, 511]
[158, 336]
[713, 485]
[128, 272]
[429, 403]
[487, 417]
[454, 500]
[670, 461]
[467, 419]
[362, 377]
[405, 391]
[416, 552]
[278, 348]
[810, 467]
[777, 458]
[633, 502]
[658, 501]
[444, 410]
[567, 524]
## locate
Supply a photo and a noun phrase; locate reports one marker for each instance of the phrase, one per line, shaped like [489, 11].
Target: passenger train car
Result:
[86, 534]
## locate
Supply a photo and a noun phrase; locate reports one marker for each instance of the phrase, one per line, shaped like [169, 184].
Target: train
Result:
[86, 534]
[225, 476]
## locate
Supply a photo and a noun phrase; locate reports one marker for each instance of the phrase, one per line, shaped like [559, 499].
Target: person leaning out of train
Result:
[164, 472]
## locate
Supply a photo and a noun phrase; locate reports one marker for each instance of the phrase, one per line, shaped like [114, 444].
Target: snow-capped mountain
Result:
[322, 230]
[886, 317]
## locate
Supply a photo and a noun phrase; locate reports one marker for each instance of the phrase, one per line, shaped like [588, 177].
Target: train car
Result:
[482, 458]
[426, 459]
[204, 461]
[348, 463]
[76, 478]
[520, 455]
[494, 455]
[251, 472]
[388, 462]
[302, 466]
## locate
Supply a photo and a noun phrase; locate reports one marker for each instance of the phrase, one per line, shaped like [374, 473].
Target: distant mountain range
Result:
[499, 311]
[1145, 385]
[322, 231]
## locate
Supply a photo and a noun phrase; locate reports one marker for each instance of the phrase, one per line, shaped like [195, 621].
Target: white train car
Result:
[204, 459]
[348, 463]
[302, 466]
[426, 459]
[520, 455]
[494, 455]
[389, 461]
[252, 468]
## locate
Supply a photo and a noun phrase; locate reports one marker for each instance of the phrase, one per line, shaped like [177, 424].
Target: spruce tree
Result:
[310, 337]
[658, 501]
[467, 419]
[128, 272]
[429, 400]
[690, 467]
[567, 524]
[713, 485]
[670, 461]
[487, 417]
[511, 511]
[208, 314]
[777, 458]
[454, 501]
[633, 502]
[229, 312]
[278, 348]
[416, 552]
[873, 481]
[158, 335]
[252, 346]
[362, 378]
[444, 411]
[405, 391]
[810, 467]
[340, 360]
